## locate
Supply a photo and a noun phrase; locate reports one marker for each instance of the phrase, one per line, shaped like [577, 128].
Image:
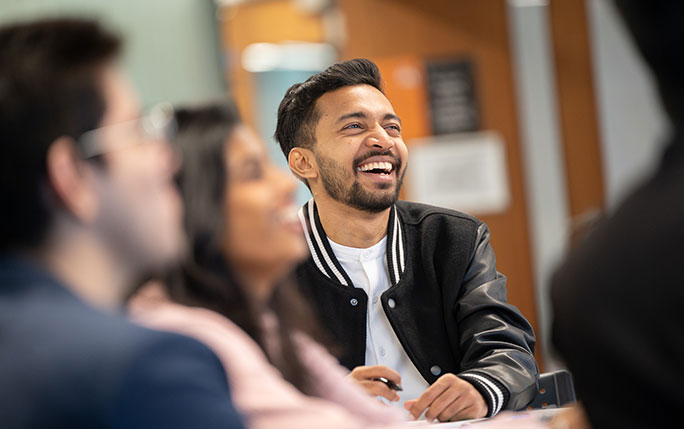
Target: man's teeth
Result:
[385, 166]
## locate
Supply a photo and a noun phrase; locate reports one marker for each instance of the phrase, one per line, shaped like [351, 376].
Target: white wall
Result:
[632, 123]
[172, 47]
[632, 129]
[545, 184]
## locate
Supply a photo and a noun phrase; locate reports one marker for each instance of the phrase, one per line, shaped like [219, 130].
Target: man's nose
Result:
[380, 139]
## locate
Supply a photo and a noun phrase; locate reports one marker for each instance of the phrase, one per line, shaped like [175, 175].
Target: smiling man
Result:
[410, 291]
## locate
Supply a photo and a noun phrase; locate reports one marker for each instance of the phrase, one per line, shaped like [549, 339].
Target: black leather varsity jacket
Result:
[446, 302]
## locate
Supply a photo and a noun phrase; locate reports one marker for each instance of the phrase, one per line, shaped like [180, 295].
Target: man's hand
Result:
[364, 375]
[449, 398]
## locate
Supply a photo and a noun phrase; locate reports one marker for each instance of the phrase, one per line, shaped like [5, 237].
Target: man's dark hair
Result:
[49, 87]
[658, 30]
[297, 115]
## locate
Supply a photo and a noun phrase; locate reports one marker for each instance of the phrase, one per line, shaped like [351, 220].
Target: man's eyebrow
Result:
[362, 115]
[389, 116]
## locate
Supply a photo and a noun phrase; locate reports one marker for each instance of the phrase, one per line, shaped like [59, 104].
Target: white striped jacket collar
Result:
[324, 257]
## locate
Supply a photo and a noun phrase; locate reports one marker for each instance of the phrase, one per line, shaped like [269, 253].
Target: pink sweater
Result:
[258, 389]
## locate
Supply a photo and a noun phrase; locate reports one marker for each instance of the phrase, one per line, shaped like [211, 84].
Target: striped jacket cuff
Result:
[493, 392]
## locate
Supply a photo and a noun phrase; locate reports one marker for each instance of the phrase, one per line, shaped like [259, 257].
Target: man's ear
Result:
[303, 163]
[70, 181]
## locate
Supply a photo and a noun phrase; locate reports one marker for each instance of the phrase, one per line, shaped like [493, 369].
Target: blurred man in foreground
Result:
[618, 299]
[88, 209]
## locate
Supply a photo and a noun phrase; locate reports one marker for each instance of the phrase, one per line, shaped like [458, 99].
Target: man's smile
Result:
[378, 167]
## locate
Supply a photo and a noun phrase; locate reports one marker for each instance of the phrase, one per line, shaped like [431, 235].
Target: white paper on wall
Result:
[465, 172]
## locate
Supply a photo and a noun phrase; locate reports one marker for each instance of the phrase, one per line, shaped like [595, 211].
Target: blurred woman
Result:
[232, 292]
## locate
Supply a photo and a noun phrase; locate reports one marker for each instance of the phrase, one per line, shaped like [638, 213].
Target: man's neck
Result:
[349, 226]
[84, 267]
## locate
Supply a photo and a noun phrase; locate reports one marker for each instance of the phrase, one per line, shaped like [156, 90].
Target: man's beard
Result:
[334, 177]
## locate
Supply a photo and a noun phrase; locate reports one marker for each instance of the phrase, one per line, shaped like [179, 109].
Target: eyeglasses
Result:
[158, 125]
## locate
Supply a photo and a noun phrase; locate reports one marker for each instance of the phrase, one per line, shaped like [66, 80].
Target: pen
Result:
[389, 383]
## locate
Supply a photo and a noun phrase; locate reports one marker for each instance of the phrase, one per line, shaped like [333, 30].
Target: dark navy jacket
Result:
[65, 364]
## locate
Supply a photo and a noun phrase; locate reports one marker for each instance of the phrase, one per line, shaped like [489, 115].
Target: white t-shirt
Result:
[367, 269]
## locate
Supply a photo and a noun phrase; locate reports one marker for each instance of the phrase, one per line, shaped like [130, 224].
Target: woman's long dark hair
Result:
[205, 278]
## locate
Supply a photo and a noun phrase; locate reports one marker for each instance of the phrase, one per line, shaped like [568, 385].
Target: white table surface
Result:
[532, 419]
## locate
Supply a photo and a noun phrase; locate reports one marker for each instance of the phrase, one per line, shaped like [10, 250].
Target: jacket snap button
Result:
[354, 302]
[435, 370]
[391, 303]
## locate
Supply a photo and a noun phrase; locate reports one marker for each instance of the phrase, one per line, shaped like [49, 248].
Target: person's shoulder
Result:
[415, 213]
[125, 344]
[170, 380]
[98, 343]
[646, 225]
[211, 328]
[166, 353]
[113, 368]
[101, 357]
[617, 258]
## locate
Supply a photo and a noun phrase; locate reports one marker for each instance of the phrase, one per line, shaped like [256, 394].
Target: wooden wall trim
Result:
[577, 106]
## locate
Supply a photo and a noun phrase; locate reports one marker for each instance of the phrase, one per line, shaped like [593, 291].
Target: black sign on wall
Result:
[451, 88]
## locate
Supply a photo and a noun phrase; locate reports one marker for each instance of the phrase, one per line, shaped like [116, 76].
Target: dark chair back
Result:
[555, 390]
